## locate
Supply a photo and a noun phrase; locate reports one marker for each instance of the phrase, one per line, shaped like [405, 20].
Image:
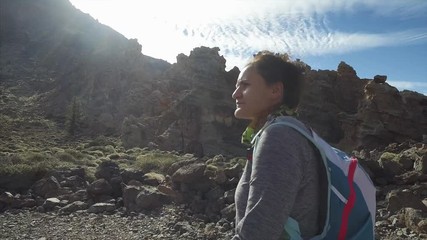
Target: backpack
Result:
[351, 194]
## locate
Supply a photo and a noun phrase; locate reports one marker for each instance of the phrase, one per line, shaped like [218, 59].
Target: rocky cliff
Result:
[354, 113]
[192, 110]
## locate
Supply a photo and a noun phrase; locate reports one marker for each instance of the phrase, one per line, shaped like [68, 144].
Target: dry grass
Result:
[155, 161]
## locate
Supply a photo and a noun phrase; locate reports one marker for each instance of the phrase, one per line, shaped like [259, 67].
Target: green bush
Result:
[11, 159]
[136, 150]
[95, 153]
[29, 163]
[35, 157]
[388, 156]
[66, 157]
[90, 173]
[237, 160]
[155, 161]
[75, 157]
[16, 169]
[104, 149]
[100, 141]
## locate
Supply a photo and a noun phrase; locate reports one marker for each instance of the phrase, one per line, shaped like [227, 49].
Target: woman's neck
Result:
[258, 122]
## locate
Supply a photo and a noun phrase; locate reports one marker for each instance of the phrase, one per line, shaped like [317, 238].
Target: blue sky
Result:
[386, 37]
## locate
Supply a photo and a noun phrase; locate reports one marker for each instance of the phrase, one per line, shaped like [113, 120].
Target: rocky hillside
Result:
[63, 58]
[60, 59]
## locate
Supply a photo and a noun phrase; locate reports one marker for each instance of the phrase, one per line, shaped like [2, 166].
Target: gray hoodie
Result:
[284, 179]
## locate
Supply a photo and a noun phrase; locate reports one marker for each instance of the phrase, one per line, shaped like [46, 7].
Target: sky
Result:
[375, 37]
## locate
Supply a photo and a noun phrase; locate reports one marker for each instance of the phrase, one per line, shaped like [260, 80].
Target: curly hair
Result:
[275, 67]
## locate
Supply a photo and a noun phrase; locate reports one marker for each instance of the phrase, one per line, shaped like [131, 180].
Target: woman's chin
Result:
[240, 114]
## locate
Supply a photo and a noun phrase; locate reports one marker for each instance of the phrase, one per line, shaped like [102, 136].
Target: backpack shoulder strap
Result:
[312, 136]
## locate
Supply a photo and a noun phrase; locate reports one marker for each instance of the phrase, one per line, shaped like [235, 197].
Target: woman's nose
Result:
[235, 94]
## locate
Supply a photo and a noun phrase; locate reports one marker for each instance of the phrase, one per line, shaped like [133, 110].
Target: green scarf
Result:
[250, 132]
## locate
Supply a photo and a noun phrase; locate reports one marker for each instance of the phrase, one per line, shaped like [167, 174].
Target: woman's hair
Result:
[275, 68]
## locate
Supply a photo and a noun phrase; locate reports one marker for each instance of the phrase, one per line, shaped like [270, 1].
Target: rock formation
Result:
[353, 113]
[197, 113]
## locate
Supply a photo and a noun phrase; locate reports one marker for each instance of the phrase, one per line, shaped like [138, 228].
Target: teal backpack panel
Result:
[346, 180]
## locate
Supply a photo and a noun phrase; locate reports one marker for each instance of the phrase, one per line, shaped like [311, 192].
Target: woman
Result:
[281, 184]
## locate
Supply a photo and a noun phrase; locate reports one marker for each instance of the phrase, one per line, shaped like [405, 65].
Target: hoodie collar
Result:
[250, 131]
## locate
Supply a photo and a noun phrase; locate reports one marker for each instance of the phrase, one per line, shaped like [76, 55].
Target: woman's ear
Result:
[277, 90]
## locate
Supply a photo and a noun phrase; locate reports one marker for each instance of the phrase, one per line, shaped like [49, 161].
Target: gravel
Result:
[168, 222]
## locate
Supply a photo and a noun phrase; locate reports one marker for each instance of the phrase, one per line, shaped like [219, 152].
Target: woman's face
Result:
[254, 98]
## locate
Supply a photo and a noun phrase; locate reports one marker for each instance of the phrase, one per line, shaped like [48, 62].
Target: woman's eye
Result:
[242, 85]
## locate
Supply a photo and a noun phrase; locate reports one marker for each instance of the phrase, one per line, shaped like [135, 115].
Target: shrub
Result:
[100, 141]
[104, 149]
[388, 156]
[35, 157]
[237, 160]
[29, 163]
[95, 153]
[136, 150]
[90, 174]
[66, 157]
[155, 161]
[10, 159]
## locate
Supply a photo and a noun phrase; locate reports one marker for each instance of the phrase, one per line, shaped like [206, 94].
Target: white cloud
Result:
[298, 35]
[397, 8]
[207, 11]
[240, 28]
[420, 87]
